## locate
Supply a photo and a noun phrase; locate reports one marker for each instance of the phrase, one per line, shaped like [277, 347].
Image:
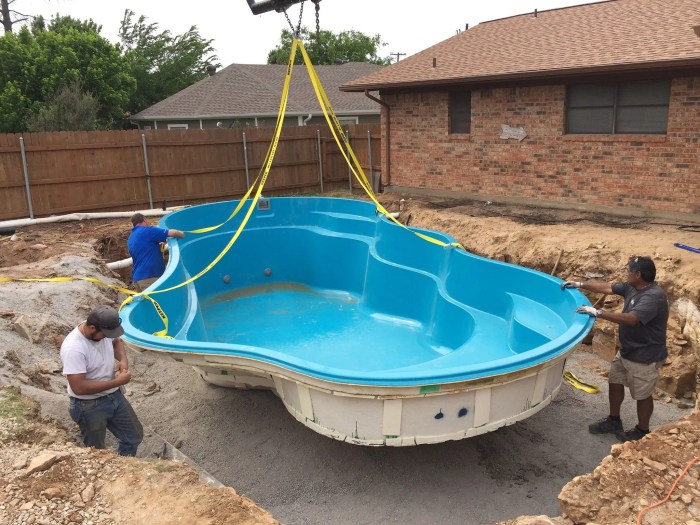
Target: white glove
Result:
[571, 284]
[588, 310]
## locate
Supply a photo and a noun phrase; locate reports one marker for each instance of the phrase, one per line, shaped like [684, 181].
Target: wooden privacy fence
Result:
[64, 172]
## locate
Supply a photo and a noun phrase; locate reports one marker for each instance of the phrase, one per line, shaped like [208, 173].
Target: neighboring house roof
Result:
[602, 37]
[248, 90]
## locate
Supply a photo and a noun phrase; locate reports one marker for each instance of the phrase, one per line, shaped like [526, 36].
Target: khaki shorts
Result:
[141, 285]
[640, 378]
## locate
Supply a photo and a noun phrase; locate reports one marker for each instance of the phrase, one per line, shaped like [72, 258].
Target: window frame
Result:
[454, 113]
[617, 105]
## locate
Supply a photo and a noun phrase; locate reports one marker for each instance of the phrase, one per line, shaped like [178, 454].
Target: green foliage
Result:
[37, 64]
[71, 110]
[41, 62]
[330, 48]
[60, 24]
[161, 63]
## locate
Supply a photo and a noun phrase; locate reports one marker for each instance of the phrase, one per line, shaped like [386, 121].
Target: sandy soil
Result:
[247, 441]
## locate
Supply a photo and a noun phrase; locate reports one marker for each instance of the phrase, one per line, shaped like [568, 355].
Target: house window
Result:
[624, 107]
[348, 121]
[178, 126]
[460, 111]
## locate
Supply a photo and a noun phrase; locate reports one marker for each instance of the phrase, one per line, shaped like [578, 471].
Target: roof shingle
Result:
[241, 90]
[613, 35]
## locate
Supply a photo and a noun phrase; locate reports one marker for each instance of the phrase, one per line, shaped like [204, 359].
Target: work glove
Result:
[571, 284]
[588, 310]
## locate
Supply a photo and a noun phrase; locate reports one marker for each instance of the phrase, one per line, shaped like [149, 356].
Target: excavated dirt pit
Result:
[247, 441]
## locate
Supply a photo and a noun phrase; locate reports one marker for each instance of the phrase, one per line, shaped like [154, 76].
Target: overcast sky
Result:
[241, 37]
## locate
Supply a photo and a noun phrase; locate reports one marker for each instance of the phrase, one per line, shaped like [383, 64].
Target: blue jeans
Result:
[110, 412]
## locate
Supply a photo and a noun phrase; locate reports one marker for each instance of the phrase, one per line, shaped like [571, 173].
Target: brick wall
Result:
[657, 173]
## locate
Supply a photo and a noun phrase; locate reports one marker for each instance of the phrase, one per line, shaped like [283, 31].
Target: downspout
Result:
[307, 119]
[385, 147]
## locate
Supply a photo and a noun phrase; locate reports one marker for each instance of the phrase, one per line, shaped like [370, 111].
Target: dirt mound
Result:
[33, 317]
[46, 478]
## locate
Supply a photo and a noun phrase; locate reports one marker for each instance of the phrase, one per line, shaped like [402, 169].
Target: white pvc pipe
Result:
[117, 265]
[80, 216]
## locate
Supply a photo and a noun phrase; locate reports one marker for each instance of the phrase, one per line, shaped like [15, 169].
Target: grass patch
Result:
[13, 405]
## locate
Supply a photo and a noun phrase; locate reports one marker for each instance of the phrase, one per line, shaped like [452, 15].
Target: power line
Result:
[398, 55]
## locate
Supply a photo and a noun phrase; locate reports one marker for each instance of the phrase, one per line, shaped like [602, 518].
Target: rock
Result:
[533, 520]
[654, 464]
[53, 492]
[22, 325]
[678, 376]
[20, 461]
[604, 343]
[88, 493]
[44, 461]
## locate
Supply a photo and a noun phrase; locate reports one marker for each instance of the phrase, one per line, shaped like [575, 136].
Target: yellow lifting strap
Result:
[260, 181]
[580, 385]
[346, 149]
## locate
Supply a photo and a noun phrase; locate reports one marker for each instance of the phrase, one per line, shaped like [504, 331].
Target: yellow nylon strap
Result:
[67, 279]
[263, 179]
[346, 149]
[233, 214]
[158, 309]
[265, 171]
[577, 383]
[130, 293]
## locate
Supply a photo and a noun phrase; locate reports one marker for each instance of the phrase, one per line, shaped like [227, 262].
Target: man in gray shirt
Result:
[643, 322]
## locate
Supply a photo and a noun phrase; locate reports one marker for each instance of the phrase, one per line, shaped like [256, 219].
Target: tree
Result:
[9, 17]
[71, 110]
[327, 47]
[161, 63]
[37, 64]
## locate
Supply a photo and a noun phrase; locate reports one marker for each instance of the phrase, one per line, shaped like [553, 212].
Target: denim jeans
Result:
[110, 412]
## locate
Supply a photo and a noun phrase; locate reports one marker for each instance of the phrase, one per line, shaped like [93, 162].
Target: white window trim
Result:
[178, 126]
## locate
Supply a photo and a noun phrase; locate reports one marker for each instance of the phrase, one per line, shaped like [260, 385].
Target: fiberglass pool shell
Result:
[331, 289]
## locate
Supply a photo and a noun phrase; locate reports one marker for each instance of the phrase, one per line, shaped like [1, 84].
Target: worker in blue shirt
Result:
[144, 248]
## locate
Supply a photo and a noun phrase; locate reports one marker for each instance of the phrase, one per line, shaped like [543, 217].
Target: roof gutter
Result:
[387, 142]
[688, 66]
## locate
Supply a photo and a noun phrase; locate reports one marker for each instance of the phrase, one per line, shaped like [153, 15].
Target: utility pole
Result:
[398, 55]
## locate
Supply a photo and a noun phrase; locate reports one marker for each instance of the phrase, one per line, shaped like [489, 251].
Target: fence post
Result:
[320, 162]
[26, 177]
[245, 160]
[148, 171]
[347, 134]
[369, 157]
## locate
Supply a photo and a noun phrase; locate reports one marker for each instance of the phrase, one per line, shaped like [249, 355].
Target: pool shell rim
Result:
[267, 359]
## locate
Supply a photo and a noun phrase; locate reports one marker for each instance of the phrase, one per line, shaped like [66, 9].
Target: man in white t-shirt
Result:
[97, 403]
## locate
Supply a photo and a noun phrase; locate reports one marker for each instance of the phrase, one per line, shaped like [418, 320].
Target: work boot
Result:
[607, 425]
[633, 434]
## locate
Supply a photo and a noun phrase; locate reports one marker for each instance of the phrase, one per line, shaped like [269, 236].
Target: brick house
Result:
[594, 107]
[248, 95]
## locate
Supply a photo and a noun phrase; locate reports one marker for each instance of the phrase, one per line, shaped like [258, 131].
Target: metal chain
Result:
[291, 26]
[318, 25]
[296, 32]
[301, 12]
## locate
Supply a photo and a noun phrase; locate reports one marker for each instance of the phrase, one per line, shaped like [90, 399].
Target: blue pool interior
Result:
[329, 288]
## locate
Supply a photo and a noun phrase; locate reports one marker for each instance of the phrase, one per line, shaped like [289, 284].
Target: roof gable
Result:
[255, 89]
[613, 35]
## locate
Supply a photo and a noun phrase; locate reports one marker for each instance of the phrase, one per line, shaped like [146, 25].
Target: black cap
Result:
[107, 321]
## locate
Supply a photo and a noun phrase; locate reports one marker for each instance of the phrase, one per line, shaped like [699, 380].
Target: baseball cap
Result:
[106, 320]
